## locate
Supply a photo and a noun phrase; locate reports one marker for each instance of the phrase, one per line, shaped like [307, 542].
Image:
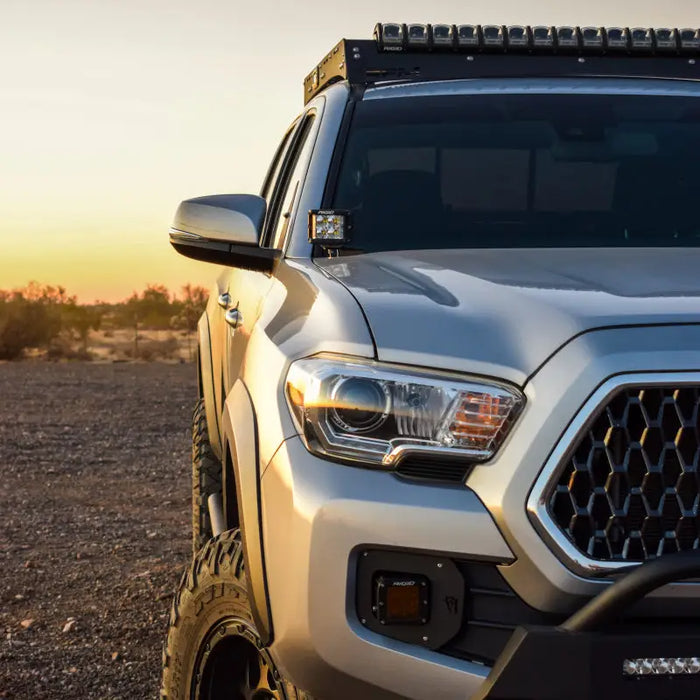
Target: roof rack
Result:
[422, 52]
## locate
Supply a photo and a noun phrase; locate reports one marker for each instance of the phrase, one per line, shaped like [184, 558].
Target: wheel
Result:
[213, 650]
[206, 478]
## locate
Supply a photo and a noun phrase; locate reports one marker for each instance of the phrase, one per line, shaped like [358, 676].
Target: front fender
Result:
[240, 440]
[206, 385]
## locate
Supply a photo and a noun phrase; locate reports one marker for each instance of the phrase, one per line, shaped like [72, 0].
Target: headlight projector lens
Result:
[359, 405]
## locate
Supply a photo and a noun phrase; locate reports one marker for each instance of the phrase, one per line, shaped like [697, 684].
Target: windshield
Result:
[521, 171]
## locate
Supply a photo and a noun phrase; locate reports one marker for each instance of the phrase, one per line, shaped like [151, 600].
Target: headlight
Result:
[375, 413]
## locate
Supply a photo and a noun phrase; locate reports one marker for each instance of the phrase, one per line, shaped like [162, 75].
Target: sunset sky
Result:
[112, 111]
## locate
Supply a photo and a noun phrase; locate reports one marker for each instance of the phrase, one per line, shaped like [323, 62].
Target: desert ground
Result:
[94, 524]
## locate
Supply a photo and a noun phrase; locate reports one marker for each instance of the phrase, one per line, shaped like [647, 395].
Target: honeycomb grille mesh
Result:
[630, 490]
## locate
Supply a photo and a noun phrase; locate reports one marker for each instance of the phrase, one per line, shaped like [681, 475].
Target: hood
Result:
[502, 313]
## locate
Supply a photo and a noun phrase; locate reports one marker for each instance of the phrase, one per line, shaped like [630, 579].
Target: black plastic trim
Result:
[239, 255]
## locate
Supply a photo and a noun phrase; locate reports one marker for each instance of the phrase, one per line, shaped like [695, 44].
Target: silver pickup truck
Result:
[447, 441]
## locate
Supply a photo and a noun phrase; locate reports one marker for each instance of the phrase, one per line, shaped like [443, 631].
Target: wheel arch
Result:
[241, 496]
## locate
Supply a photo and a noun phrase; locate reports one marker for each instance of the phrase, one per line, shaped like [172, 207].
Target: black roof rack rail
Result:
[424, 52]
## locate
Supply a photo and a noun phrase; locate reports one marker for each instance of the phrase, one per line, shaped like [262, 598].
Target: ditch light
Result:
[329, 228]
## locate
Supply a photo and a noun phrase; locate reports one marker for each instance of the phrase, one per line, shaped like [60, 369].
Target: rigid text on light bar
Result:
[496, 38]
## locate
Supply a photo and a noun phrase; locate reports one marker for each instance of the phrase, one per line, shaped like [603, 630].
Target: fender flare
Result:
[206, 384]
[242, 497]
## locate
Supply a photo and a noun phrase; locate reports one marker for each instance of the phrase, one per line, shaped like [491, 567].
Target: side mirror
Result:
[223, 229]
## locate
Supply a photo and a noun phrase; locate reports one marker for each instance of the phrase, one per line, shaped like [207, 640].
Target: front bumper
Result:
[581, 659]
[317, 515]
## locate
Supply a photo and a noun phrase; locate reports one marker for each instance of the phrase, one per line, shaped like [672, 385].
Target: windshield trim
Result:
[546, 86]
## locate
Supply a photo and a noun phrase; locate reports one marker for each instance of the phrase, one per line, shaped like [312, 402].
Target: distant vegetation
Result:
[45, 322]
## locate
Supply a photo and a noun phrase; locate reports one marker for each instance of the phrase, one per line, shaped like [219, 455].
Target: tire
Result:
[206, 478]
[213, 650]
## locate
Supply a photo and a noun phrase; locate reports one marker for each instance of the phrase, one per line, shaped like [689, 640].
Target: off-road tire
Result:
[212, 592]
[206, 478]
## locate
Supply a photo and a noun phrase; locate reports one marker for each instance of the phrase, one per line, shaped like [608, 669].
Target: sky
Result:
[113, 111]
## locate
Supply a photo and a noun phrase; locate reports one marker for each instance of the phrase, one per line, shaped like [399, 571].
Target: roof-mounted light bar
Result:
[496, 38]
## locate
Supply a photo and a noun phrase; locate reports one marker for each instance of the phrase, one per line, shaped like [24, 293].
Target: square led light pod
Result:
[666, 40]
[568, 38]
[418, 36]
[443, 36]
[518, 38]
[468, 36]
[493, 36]
[543, 38]
[329, 228]
[690, 40]
[593, 39]
[389, 37]
[642, 39]
[618, 38]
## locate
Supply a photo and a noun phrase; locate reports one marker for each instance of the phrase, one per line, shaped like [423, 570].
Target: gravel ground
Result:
[94, 525]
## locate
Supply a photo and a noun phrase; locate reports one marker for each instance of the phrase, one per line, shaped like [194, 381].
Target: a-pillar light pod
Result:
[443, 36]
[418, 36]
[618, 39]
[593, 39]
[642, 39]
[666, 40]
[329, 228]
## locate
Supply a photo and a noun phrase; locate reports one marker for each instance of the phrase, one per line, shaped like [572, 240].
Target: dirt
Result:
[94, 524]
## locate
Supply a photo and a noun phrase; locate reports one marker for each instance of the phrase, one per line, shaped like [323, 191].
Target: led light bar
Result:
[329, 228]
[634, 668]
[496, 38]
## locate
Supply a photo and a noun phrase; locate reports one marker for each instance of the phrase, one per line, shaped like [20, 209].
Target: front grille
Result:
[630, 488]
